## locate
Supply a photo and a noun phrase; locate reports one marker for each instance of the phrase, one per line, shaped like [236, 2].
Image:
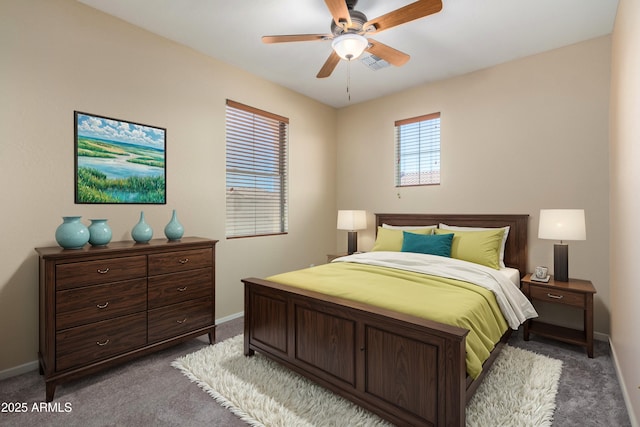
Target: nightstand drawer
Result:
[558, 296]
[90, 304]
[74, 275]
[84, 344]
[173, 262]
[177, 287]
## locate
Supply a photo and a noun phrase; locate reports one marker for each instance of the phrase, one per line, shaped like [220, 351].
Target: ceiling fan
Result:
[349, 28]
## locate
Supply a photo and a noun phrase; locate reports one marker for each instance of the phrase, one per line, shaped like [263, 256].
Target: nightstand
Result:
[331, 257]
[574, 293]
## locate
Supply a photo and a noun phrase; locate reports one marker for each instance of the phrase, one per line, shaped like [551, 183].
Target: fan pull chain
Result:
[348, 79]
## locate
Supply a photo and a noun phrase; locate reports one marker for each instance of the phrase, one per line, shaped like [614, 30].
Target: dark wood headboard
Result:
[515, 252]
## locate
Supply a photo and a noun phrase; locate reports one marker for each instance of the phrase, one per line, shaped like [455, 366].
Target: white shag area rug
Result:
[519, 390]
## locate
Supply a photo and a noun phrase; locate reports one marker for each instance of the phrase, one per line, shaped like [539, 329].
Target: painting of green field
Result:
[119, 162]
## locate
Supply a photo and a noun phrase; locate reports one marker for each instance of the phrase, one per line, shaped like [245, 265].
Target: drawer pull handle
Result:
[555, 296]
[182, 321]
[182, 289]
[103, 271]
[101, 306]
[183, 260]
[103, 342]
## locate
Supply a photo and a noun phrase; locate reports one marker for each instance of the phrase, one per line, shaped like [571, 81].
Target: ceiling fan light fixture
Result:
[349, 46]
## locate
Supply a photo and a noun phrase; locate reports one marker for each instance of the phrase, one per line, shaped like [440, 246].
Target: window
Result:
[256, 171]
[418, 150]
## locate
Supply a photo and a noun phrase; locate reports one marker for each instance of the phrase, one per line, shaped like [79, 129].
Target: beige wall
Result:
[515, 138]
[60, 56]
[625, 200]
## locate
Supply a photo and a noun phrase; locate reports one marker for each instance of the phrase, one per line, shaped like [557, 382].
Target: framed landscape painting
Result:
[119, 161]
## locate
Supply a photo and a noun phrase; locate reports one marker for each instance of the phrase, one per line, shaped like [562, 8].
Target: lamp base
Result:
[561, 262]
[352, 242]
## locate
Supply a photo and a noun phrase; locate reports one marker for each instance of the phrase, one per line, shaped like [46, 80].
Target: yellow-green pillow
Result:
[480, 247]
[390, 239]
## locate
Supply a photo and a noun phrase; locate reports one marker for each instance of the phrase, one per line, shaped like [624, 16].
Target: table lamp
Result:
[561, 224]
[352, 221]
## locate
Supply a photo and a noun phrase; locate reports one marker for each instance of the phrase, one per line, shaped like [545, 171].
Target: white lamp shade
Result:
[352, 220]
[562, 224]
[349, 46]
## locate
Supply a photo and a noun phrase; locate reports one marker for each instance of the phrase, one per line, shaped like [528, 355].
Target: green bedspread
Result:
[447, 301]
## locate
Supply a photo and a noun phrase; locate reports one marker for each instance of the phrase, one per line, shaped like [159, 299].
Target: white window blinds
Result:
[418, 150]
[256, 171]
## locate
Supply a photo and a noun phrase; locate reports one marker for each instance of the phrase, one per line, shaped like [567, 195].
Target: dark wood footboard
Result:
[410, 371]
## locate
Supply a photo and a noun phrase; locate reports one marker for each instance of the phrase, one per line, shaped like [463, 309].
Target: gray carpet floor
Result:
[149, 392]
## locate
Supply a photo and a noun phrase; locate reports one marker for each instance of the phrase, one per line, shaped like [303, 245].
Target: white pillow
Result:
[504, 237]
[410, 227]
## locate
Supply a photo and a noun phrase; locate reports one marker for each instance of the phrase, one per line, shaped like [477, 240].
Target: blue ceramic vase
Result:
[99, 232]
[174, 230]
[142, 232]
[72, 234]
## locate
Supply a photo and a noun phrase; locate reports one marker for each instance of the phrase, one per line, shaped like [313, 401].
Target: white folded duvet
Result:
[514, 305]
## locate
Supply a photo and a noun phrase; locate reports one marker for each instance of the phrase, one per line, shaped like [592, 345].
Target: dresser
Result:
[102, 306]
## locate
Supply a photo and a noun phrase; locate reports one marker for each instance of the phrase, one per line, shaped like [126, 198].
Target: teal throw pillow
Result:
[432, 244]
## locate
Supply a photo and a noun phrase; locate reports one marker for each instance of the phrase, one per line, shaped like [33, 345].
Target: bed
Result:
[408, 369]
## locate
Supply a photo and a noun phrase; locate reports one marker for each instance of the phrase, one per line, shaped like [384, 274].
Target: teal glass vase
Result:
[72, 234]
[174, 230]
[142, 232]
[99, 232]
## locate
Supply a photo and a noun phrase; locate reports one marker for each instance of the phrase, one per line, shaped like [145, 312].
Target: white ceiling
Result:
[467, 35]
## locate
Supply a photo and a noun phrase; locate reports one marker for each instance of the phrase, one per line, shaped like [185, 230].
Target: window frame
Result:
[398, 173]
[277, 157]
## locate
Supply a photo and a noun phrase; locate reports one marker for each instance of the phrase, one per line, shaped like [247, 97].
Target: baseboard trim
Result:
[18, 370]
[230, 317]
[625, 395]
[205, 338]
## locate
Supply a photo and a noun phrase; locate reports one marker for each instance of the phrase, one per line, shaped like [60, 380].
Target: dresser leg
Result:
[50, 391]
[212, 336]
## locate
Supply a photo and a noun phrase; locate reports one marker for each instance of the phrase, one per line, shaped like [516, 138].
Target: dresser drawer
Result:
[106, 270]
[173, 262]
[177, 319]
[82, 345]
[558, 296]
[89, 304]
[177, 287]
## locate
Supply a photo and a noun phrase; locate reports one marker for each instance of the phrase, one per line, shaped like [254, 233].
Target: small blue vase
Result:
[99, 232]
[72, 234]
[142, 232]
[174, 230]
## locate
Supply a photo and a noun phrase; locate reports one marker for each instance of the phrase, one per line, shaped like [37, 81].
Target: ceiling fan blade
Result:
[389, 54]
[329, 65]
[296, 38]
[410, 12]
[339, 12]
